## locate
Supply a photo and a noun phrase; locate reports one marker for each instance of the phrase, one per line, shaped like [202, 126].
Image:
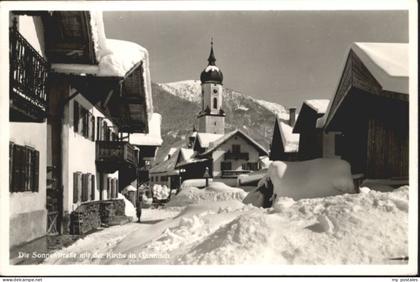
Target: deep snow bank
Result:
[216, 191]
[365, 228]
[310, 179]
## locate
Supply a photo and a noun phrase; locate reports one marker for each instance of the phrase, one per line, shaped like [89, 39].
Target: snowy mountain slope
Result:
[179, 104]
[190, 90]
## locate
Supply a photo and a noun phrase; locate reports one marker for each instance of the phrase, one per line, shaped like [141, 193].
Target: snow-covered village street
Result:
[213, 226]
[212, 138]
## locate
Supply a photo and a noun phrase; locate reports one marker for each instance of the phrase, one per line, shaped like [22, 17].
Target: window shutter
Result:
[93, 190]
[76, 116]
[35, 162]
[85, 184]
[22, 165]
[108, 187]
[92, 127]
[76, 188]
[99, 129]
[17, 177]
[29, 170]
[11, 166]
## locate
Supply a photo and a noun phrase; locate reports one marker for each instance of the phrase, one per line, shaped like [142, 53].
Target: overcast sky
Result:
[279, 56]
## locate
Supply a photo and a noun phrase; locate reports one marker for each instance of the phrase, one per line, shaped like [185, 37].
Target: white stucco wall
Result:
[28, 213]
[33, 135]
[79, 153]
[236, 164]
[32, 29]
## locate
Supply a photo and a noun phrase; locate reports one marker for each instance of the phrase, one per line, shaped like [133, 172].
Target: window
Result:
[215, 91]
[77, 186]
[83, 121]
[226, 165]
[236, 148]
[214, 103]
[24, 169]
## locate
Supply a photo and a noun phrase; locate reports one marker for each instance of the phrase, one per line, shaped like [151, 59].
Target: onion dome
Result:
[211, 74]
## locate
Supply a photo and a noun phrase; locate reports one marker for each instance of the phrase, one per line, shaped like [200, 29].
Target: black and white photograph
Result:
[261, 138]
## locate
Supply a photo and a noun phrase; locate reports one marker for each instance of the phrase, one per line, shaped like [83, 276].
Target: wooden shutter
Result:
[29, 170]
[85, 121]
[76, 186]
[93, 190]
[11, 168]
[99, 131]
[20, 169]
[35, 165]
[85, 185]
[108, 188]
[76, 116]
[92, 127]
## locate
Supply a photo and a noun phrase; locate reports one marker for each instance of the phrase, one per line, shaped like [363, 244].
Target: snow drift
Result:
[370, 227]
[216, 191]
[310, 179]
[130, 210]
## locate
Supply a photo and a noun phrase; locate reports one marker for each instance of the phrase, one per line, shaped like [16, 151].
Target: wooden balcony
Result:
[114, 155]
[236, 156]
[28, 79]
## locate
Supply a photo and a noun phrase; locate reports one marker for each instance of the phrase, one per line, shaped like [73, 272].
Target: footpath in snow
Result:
[213, 226]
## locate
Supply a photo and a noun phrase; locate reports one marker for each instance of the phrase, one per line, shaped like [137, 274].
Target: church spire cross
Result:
[212, 58]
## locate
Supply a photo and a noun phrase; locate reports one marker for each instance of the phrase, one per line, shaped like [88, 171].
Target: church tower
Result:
[211, 119]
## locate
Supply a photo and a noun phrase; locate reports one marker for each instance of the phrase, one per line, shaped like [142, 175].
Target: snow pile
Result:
[370, 227]
[310, 179]
[366, 228]
[130, 210]
[215, 192]
[251, 178]
[196, 183]
[161, 192]
[147, 202]
[290, 139]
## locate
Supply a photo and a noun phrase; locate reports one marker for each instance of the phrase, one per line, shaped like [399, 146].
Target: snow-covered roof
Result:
[215, 144]
[115, 59]
[168, 165]
[206, 138]
[387, 62]
[153, 138]
[290, 139]
[187, 154]
[318, 105]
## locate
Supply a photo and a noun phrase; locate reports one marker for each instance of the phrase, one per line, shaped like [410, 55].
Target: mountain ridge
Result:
[179, 103]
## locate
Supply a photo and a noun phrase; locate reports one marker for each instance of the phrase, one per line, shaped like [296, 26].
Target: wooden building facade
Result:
[370, 111]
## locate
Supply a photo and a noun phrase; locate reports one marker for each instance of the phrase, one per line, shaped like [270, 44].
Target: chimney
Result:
[292, 117]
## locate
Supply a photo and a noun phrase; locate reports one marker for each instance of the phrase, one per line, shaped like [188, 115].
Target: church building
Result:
[222, 155]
